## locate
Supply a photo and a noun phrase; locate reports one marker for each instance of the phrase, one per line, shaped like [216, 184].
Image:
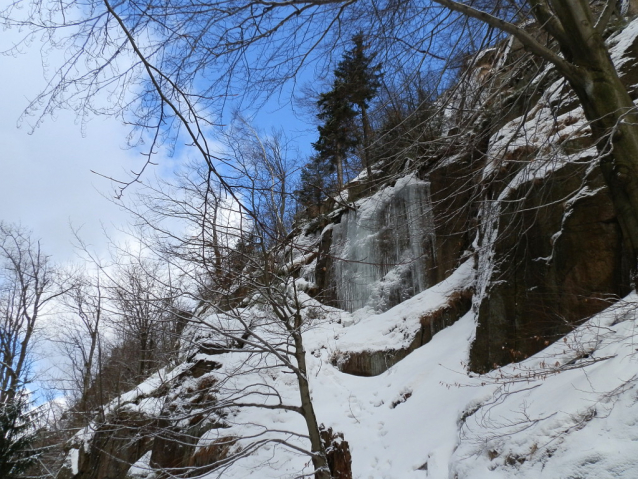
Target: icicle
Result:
[382, 250]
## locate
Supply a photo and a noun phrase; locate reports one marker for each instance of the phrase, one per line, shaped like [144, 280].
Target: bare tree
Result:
[78, 335]
[249, 307]
[576, 28]
[143, 311]
[267, 164]
[161, 53]
[250, 48]
[27, 286]
[265, 336]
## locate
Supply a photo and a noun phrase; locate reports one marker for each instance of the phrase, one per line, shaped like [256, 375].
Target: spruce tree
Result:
[337, 135]
[16, 438]
[314, 183]
[355, 84]
[361, 80]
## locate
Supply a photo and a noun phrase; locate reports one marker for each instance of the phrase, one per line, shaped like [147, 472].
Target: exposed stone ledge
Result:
[373, 363]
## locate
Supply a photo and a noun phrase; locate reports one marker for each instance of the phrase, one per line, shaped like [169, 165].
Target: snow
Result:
[568, 412]
[397, 327]
[363, 175]
[561, 414]
[406, 423]
[141, 399]
[393, 442]
[542, 137]
[141, 468]
[72, 458]
[622, 42]
[489, 215]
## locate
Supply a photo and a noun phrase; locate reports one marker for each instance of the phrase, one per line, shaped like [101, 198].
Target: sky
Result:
[47, 179]
[46, 183]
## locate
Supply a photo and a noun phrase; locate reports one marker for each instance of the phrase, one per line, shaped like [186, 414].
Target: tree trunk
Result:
[615, 127]
[366, 140]
[86, 374]
[607, 105]
[143, 353]
[319, 458]
[587, 66]
[339, 165]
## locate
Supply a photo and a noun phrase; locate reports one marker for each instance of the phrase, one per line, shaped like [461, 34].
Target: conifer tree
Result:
[314, 181]
[361, 80]
[337, 135]
[16, 438]
[355, 85]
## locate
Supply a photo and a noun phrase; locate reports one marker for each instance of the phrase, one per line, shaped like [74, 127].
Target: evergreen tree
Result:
[355, 85]
[337, 135]
[314, 183]
[16, 438]
[361, 80]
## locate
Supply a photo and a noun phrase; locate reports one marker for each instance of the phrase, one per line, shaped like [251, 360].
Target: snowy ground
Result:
[568, 412]
[559, 414]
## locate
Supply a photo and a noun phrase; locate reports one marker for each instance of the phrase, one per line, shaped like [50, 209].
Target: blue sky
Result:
[47, 182]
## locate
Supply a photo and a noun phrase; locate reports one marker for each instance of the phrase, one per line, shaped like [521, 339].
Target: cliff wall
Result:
[496, 245]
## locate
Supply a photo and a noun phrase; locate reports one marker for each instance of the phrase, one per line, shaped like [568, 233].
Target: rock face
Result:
[453, 212]
[114, 447]
[533, 211]
[338, 452]
[558, 259]
[373, 363]
[550, 252]
[532, 207]
[169, 435]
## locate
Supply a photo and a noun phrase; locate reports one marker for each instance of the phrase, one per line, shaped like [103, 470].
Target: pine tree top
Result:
[357, 72]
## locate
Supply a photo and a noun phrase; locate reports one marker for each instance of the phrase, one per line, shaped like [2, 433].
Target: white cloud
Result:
[46, 181]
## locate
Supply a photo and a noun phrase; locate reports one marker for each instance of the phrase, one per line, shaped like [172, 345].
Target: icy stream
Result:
[382, 251]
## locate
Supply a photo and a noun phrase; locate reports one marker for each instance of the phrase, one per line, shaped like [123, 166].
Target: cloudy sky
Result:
[46, 183]
[46, 179]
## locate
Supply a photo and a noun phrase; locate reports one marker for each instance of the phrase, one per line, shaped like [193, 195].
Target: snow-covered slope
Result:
[569, 411]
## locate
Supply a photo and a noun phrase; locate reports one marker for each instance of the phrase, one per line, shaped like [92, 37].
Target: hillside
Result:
[467, 313]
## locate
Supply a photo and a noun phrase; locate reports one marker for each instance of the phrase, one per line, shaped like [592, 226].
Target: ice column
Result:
[382, 250]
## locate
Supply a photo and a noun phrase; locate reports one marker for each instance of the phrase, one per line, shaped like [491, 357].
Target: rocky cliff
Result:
[499, 243]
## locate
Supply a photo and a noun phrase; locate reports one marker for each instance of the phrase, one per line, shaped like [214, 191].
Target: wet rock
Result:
[556, 263]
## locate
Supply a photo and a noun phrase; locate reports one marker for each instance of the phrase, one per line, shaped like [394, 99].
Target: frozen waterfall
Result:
[382, 251]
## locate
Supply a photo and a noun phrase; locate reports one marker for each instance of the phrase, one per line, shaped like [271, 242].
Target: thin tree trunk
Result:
[319, 458]
[339, 165]
[143, 353]
[215, 240]
[366, 140]
[88, 367]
